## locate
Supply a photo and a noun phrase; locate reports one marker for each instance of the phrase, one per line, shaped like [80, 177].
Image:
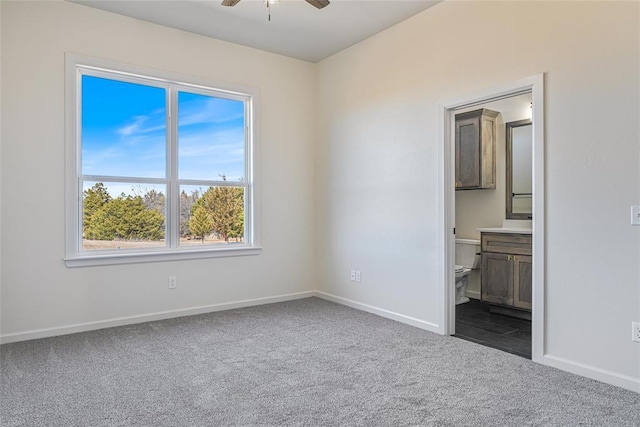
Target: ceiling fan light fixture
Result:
[318, 3]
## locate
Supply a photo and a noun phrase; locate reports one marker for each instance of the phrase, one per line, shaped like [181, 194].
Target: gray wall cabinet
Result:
[475, 147]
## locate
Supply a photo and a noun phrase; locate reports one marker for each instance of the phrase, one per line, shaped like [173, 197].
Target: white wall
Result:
[0, 168]
[38, 291]
[378, 164]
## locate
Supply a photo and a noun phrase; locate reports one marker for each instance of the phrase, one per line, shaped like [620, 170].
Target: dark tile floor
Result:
[475, 323]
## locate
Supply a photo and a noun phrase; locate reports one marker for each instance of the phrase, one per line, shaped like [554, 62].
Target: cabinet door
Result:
[497, 278]
[488, 153]
[468, 153]
[522, 281]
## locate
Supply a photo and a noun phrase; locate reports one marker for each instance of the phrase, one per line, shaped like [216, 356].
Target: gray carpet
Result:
[307, 362]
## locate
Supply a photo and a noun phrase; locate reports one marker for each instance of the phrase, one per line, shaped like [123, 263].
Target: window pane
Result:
[211, 215]
[123, 215]
[211, 138]
[123, 129]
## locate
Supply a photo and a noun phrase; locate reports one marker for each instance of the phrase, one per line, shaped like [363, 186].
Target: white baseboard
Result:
[151, 317]
[576, 368]
[381, 312]
[592, 372]
[598, 374]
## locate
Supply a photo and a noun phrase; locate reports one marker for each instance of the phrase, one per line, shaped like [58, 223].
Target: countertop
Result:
[510, 230]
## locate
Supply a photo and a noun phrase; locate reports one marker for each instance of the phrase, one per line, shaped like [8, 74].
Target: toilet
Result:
[467, 260]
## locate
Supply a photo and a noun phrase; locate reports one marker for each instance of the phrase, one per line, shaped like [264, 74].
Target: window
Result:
[159, 167]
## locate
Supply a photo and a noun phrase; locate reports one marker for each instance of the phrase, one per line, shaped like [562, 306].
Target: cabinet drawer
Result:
[516, 244]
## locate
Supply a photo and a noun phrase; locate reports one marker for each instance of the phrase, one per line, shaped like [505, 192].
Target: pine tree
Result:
[125, 218]
[237, 229]
[200, 223]
[225, 206]
[93, 199]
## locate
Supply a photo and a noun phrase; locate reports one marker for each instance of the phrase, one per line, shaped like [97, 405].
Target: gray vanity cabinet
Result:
[497, 278]
[506, 277]
[522, 281]
[475, 147]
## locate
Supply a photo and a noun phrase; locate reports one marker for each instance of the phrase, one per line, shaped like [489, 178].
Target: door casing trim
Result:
[446, 197]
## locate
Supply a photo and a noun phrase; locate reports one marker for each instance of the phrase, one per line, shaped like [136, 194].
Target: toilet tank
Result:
[468, 253]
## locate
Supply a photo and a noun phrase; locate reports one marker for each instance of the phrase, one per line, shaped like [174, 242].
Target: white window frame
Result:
[76, 67]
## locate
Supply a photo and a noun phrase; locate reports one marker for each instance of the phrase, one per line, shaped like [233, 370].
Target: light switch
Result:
[635, 215]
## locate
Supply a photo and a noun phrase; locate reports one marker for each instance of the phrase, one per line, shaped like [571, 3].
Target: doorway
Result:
[532, 87]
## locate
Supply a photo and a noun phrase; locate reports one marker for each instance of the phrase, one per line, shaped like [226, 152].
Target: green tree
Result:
[93, 199]
[125, 218]
[200, 223]
[225, 206]
[237, 229]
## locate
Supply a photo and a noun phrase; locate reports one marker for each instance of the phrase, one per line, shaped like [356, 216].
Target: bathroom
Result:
[493, 145]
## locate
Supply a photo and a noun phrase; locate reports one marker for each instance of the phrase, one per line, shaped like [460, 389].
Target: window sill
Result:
[143, 257]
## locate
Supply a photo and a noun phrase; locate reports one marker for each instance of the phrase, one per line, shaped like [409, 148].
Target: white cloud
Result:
[210, 110]
[133, 127]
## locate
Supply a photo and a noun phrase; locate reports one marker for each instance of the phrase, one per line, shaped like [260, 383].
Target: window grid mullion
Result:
[124, 179]
[174, 207]
[194, 182]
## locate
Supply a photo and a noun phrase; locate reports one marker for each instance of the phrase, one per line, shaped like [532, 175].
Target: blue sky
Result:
[124, 132]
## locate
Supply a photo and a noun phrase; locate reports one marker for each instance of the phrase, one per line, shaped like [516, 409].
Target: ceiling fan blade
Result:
[318, 3]
[230, 2]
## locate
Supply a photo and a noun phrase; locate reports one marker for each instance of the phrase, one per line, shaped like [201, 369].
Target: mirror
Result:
[519, 138]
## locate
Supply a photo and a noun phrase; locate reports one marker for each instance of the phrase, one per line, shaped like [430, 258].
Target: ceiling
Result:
[296, 29]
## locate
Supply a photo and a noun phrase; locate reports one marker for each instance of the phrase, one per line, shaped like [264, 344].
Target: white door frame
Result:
[535, 85]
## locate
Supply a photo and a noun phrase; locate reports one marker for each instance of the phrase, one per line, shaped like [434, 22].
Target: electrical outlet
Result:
[635, 331]
[635, 215]
[172, 282]
[358, 276]
[353, 275]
